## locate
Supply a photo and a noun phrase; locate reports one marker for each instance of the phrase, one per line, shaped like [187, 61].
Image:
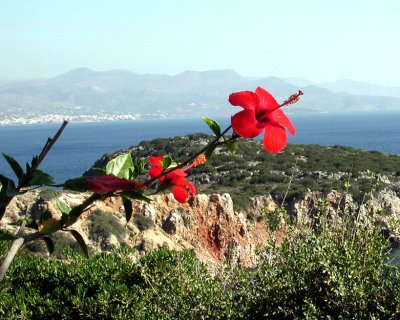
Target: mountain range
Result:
[84, 92]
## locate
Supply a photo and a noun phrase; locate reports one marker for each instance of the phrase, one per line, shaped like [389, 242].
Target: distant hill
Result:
[361, 88]
[188, 94]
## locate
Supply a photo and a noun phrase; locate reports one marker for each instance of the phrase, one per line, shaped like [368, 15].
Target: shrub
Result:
[162, 285]
[337, 272]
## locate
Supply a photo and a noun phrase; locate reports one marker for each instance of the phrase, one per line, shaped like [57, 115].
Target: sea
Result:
[81, 144]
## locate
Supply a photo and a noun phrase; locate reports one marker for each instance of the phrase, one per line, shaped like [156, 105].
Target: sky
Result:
[313, 39]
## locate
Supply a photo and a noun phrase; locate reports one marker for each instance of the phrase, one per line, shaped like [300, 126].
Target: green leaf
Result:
[98, 171]
[213, 125]
[209, 151]
[3, 189]
[11, 190]
[167, 161]
[4, 235]
[80, 241]
[232, 147]
[138, 167]
[76, 184]
[49, 244]
[135, 195]
[73, 215]
[40, 178]
[44, 215]
[120, 166]
[63, 207]
[128, 208]
[30, 223]
[19, 172]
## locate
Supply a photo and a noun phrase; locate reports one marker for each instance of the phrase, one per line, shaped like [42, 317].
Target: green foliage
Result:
[40, 178]
[257, 172]
[335, 272]
[213, 125]
[162, 285]
[121, 166]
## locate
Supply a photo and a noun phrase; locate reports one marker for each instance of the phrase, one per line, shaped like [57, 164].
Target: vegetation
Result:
[255, 172]
[325, 269]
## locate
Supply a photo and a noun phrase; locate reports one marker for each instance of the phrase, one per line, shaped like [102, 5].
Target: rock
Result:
[174, 223]
[208, 224]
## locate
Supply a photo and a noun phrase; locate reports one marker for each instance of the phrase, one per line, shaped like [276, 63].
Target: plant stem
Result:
[15, 246]
[35, 164]
[192, 158]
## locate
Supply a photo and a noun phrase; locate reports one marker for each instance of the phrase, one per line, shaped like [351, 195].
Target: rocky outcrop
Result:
[207, 224]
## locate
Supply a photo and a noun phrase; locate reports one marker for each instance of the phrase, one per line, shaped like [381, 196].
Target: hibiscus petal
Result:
[280, 116]
[266, 100]
[275, 138]
[192, 188]
[245, 99]
[180, 194]
[156, 160]
[155, 171]
[176, 173]
[244, 123]
[182, 182]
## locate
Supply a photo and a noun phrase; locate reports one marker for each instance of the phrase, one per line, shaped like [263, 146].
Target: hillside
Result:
[254, 172]
[84, 94]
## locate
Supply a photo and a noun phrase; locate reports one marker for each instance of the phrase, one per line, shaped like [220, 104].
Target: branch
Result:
[15, 246]
[192, 158]
[35, 164]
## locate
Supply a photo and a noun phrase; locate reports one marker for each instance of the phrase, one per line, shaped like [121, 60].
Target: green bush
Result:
[337, 272]
[162, 285]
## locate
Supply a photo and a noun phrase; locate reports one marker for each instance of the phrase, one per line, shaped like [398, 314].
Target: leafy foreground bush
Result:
[162, 285]
[336, 272]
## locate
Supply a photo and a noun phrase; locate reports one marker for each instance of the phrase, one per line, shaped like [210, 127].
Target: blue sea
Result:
[82, 143]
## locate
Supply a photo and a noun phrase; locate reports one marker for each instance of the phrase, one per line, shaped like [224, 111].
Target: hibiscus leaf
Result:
[167, 161]
[231, 146]
[135, 195]
[19, 172]
[40, 178]
[80, 241]
[11, 190]
[209, 151]
[98, 171]
[45, 215]
[63, 207]
[49, 244]
[138, 167]
[213, 125]
[120, 166]
[76, 184]
[128, 208]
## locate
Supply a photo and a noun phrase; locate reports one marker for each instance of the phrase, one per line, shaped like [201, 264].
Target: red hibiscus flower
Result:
[104, 184]
[261, 111]
[176, 178]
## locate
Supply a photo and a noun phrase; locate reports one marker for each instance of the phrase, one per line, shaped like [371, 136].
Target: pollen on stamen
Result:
[201, 159]
[293, 98]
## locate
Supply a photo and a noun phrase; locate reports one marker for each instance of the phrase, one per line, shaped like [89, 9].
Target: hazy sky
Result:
[315, 39]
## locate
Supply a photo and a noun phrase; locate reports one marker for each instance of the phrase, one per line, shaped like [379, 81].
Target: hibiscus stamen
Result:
[201, 159]
[292, 99]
